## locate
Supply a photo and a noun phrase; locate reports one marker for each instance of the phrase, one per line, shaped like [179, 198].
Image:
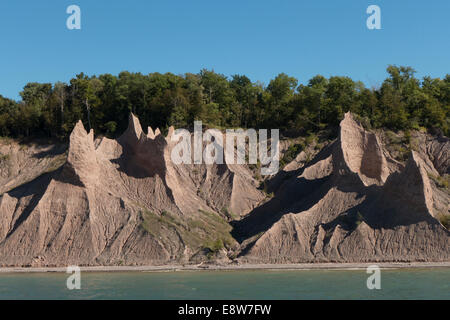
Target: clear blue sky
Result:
[259, 38]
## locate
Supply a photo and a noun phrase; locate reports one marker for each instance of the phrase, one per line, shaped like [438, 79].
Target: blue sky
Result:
[259, 38]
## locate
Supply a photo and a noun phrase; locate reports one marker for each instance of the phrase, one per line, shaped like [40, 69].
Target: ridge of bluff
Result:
[351, 203]
[121, 202]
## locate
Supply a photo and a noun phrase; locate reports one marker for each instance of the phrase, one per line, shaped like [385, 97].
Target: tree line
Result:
[103, 103]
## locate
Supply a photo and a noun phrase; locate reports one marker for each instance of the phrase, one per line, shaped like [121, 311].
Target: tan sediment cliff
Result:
[352, 203]
[120, 202]
[124, 202]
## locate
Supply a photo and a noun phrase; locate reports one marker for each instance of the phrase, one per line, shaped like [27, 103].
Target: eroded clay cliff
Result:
[124, 202]
[351, 203]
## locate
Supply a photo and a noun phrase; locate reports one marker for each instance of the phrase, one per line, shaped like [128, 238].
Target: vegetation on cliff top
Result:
[103, 103]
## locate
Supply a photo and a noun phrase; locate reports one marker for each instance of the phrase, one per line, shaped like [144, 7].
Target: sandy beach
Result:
[234, 267]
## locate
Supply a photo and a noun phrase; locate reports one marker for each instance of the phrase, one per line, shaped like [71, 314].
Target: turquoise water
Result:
[314, 284]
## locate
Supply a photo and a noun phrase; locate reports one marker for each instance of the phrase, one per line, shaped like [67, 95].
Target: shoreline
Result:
[242, 267]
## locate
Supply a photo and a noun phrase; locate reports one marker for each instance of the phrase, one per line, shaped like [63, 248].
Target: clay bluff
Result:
[106, 202]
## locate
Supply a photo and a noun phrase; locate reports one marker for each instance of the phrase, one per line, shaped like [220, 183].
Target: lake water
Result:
[308, 284]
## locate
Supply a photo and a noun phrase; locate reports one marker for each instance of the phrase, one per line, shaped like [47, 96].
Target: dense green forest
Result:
[104, 102]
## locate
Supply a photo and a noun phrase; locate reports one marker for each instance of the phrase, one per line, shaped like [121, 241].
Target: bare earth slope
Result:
[124, 202]
[350, 204]
[120, 202]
